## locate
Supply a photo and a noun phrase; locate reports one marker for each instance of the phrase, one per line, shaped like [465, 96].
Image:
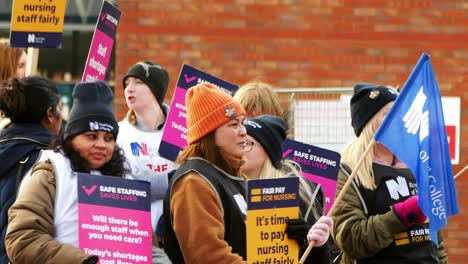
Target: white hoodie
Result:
[141, 152]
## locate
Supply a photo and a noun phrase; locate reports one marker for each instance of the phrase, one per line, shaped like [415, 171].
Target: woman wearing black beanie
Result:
[145, 85]
[263, 160]
[378, 220]
[43, 222]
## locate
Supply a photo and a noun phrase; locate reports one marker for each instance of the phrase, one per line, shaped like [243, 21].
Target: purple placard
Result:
[174, 137]
[114, 217]
[318, 165]
[36, 39]
[272, 193]
[102, 43]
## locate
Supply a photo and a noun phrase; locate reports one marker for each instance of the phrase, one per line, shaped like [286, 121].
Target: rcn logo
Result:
[31, 38]
[397, 188]
[139, 148]
[416, 119]
[36, 39]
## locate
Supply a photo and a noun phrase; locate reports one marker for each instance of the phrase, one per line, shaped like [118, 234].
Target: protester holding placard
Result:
[145, 85]
[205, 208]
[33, 105]
[379, 220]
[43, 222]
[263, 160]
[12, 64]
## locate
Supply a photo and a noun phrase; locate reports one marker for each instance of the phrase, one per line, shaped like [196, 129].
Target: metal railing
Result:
[319, 116]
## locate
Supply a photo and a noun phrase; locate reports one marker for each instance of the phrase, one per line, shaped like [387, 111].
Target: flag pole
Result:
[342, 193]
[460, 173]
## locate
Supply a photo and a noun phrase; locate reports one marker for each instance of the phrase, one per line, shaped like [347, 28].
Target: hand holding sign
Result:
[320, 231]
[297, 229]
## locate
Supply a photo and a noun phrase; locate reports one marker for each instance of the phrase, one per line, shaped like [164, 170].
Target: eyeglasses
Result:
[248, 145]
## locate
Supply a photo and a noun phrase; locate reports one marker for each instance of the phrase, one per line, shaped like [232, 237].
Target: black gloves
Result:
[91, 260]
[297, 229]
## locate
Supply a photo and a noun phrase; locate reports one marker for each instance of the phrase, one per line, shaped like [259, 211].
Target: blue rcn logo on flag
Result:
[417, 119]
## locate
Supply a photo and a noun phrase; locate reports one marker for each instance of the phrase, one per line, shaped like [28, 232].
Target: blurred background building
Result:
[312, 51]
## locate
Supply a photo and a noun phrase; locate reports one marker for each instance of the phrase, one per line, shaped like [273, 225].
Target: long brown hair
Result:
[9, 58]
[206, 148]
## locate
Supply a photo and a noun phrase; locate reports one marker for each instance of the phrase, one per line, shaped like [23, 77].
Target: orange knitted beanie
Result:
[207, 109]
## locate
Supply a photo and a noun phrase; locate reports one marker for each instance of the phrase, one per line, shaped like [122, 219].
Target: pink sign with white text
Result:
[174, 137]
[114, 218]
[98, 58]
[102, 43]
[318, 165]
[178, 120]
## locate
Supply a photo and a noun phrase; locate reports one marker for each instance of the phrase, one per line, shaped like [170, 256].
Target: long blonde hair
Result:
[289, 168]
[353, 152]
[259, 98]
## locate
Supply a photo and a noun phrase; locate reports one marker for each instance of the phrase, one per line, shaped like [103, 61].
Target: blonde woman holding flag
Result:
[378, 220]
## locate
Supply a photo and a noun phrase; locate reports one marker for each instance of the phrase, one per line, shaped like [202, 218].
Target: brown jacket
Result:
[30, 234]
[193, 198]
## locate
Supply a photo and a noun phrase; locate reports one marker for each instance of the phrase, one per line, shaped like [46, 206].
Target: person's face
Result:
[21, 68]
[56, 120]
[382, 114]
[53, 119]
[230, 138]
[138, 95]
[95, 146]
[254, 158]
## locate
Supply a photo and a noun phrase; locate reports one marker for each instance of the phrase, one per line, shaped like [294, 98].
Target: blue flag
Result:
[414, 130]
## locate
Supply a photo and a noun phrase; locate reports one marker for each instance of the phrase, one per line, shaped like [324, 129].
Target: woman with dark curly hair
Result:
[43, 222]
[33, 105]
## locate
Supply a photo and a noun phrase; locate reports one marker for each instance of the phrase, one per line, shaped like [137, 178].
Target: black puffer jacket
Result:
[19, 142]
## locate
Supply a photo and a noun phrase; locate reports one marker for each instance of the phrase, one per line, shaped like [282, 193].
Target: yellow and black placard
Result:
[37, 23]
[271, 203]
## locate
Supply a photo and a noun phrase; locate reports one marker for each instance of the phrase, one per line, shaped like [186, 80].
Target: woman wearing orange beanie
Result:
[205, 209]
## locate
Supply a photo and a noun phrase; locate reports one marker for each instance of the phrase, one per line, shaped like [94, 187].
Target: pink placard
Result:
[114, 219]
[115, 235]
[328, 186]
[98, 57]
[176, 124]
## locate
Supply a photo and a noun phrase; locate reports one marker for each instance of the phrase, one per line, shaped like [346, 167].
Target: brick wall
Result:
[316, 43]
